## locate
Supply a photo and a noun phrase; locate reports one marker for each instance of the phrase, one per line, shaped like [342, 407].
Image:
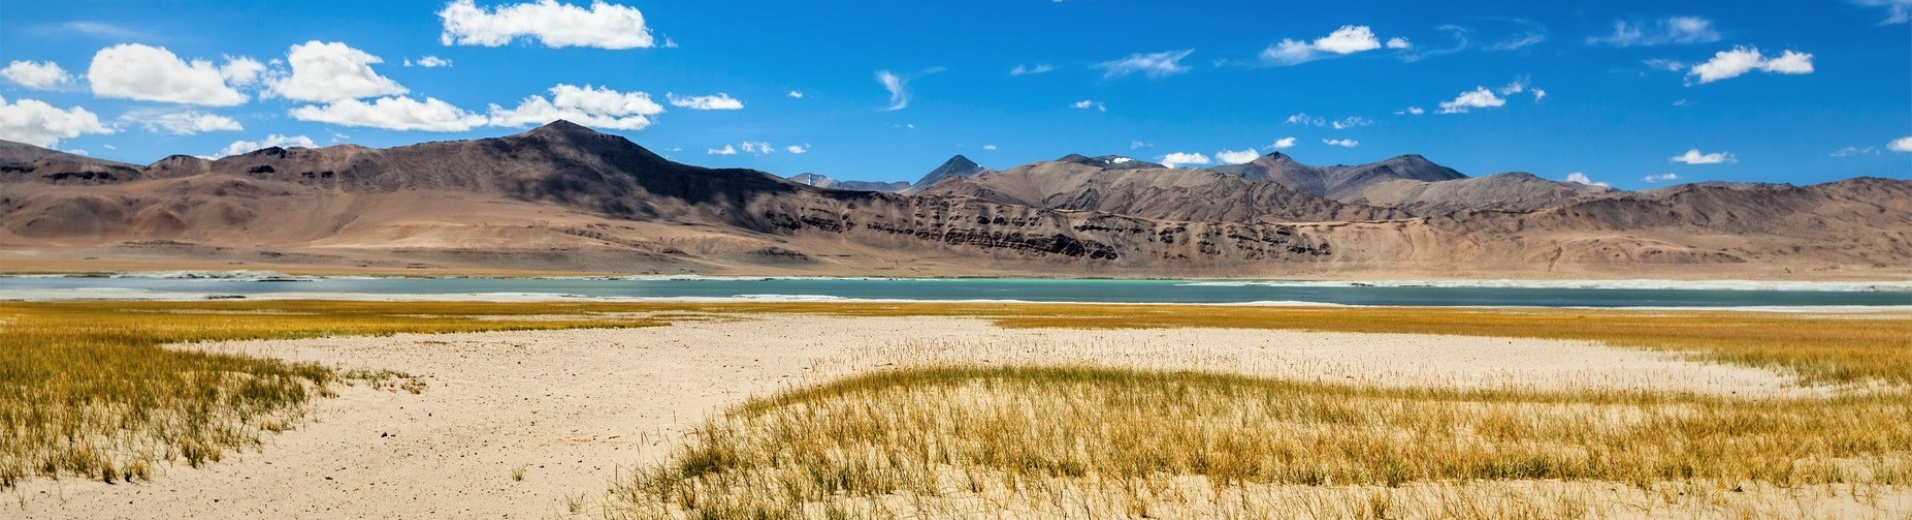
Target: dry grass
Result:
[1059, 441]
[87, 391]
[1076, 442]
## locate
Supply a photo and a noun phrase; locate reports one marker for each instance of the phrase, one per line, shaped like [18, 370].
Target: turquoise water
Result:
[1548, 294]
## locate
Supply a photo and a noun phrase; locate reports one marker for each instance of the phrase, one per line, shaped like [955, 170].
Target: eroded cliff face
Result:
[1002, 231]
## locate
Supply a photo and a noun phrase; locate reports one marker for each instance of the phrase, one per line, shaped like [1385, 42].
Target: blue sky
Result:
[1620, 92]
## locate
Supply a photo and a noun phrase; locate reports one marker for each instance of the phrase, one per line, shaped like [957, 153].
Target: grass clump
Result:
[86, 389]
[1065, 441]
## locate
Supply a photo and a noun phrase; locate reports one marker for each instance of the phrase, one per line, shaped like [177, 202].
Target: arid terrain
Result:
[563, 198]
[542, 424]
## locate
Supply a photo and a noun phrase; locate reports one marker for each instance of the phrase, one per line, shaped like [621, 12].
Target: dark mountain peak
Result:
[563, 128]
[958, 166]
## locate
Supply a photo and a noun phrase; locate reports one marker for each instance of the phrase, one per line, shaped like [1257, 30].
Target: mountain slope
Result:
[563, 197]
[821, 181]
[1507, 191]
[956, 167]
[1147, 190]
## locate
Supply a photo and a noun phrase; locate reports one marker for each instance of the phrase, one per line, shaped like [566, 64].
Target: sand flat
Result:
[575, 409]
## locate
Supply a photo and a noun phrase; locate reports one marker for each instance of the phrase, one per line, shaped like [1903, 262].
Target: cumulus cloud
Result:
[1476, 99]
[1579, 177]
[430, 62]
[1741, 60]
[182, 122]
[1694, 156]
[726, 150]
[721, 101]
[147, 73]
[1664, 177]
[1306, 120]
[43, 75]
[1897, 11]
[1038, 68]
[392, 113]
[604, 25]
[243, 147]
[1180, 159]
[596, 107]
[324, 72]
[1900, 145]
[1283, 143]
[1410, 111]
[989, 147]
[797, 149]
[1088, 104]
[1237, 157]
[757, 147]
[39, 124]
[1154, 65]
[1349, 39]
[795, 94]
[1669, 31]
[1344, 143]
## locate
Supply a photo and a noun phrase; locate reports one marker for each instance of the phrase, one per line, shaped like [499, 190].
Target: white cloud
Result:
[39, 124]
[604, 25]
[1666, 65]
[795, 95]
[1851, 151]
[44, 75]
[1694, 156]
[726, 150]
[1344, 143]
[1137, 145]
[182, 122]
[721, 101]
[243, 147]
[430, 62]
[898, 87]
[1087, 104]
[595, 107]
[797, 149]
[1349, 39]
[758, 147]
[1283, 143]
[146, 73]
[1582, 178]
[1306, 120]
[1664, 177]
[1153, 65]
[1179, 159]
[1741, 60]
[325, 72]
[1038, 68]
[1237, 157]
[989, 147]
[1897, 11]
[1901, 145]
[1351, 122]
[1410, 111]
[1477, 98]
[392, 113]
[1672, 30]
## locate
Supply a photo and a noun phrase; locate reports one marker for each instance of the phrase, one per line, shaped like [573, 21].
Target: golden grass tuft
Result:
[87, 391]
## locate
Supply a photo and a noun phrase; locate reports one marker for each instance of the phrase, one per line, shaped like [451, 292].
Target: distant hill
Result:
[564, 197]
[820, 181]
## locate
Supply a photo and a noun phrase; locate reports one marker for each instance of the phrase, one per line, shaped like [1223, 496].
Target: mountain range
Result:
[565, 198]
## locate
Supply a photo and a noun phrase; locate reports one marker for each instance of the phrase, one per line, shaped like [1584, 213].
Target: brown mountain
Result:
[1131, 187]
[563, 197]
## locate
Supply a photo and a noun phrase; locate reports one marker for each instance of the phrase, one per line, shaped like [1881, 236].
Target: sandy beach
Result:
[570, 411]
